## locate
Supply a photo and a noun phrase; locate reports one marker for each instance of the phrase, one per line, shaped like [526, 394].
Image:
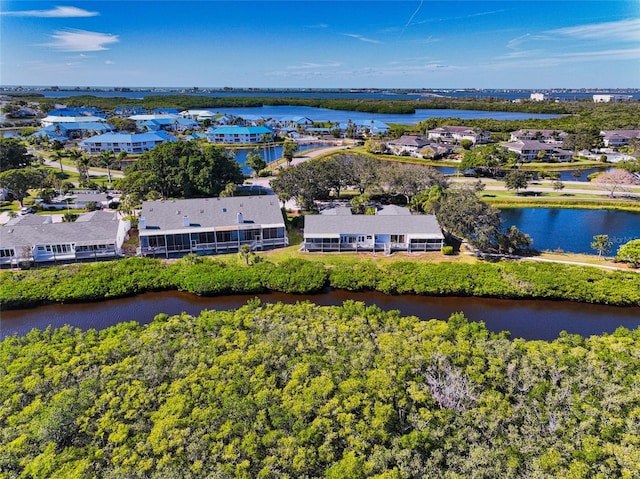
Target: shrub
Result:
[448, 250]
[297, 276]
[355, 277]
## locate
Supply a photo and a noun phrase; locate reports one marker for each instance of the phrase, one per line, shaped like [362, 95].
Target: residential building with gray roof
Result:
[37, 239]
[394, 229]
[210, 225]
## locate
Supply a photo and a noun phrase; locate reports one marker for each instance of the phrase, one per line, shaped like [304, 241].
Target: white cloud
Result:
[619, 54]
[624, 30]
[391, 71]
[309, 65]
[427, 40]
[57, 12]
[515, 43]
[109, 62]
[361, 38]
[81, 41]
[535, 59]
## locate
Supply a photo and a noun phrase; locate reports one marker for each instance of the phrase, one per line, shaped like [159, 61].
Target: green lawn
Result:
[507, 199]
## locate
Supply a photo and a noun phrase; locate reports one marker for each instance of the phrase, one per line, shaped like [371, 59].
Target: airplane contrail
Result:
[411, 18]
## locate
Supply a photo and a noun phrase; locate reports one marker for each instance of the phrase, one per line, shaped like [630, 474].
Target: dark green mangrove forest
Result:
[301, 391]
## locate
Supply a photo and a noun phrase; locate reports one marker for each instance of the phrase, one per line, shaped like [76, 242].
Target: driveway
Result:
[266, 182]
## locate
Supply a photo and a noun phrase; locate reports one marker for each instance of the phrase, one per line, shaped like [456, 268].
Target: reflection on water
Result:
[572, 230]
[527, 319]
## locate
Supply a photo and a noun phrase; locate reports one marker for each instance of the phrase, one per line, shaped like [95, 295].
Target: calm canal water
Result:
[269, 153]
[572, 230]
[526, 319]
[565, 175]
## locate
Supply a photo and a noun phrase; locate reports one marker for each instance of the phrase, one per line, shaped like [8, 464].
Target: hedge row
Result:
[209, 277]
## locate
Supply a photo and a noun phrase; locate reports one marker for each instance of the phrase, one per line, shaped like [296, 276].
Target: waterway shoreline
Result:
[529, 319]
[469, 277]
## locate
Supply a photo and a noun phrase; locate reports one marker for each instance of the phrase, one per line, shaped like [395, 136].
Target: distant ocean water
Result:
[562, 95]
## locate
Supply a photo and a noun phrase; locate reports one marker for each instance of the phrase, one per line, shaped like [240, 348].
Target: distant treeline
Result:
[362, 105]
[577, 115]
[210, 277]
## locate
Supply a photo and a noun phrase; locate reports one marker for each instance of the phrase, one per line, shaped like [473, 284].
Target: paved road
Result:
[542, 186]
[313, 153]
[546, 186]
[92, 171]
[266, 182]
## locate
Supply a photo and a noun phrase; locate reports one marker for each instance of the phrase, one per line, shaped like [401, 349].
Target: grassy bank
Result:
[501, 199]
[210, 276]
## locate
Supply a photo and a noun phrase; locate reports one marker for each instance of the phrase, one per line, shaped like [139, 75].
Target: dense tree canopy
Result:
[516, 180]
[181, 169]
[13, 154]
[583, 139]
[316, 179]
[630, 253]
[461, 213]
[317, 392]
[491, 158]
[19, 181]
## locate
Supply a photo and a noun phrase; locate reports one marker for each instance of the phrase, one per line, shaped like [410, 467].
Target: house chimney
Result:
[185, 221]
[142, 223]
[240, 218]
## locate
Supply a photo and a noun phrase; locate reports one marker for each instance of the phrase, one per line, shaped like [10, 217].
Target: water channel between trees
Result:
[527, 319]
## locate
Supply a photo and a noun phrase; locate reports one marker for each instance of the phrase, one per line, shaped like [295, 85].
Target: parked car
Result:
[27, 210]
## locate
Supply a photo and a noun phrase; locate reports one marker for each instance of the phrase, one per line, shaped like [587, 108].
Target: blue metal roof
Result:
[79, 111]
[240, 130]
[129, 138]
[94, 126]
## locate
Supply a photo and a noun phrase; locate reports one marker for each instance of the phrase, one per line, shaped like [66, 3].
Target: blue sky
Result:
[321, 44]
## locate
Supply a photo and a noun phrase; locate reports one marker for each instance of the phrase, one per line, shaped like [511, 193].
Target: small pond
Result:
[572, 230]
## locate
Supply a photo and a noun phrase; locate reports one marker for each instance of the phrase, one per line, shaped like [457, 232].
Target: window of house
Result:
[223, 236]
[271, 233]
[153, 241]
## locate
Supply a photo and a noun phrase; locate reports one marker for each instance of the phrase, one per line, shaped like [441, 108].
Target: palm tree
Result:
[288, 149]
[82, 164]
[121, 157]
[245, 253]
[58, 155]
[74, 154]
[108, 159]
